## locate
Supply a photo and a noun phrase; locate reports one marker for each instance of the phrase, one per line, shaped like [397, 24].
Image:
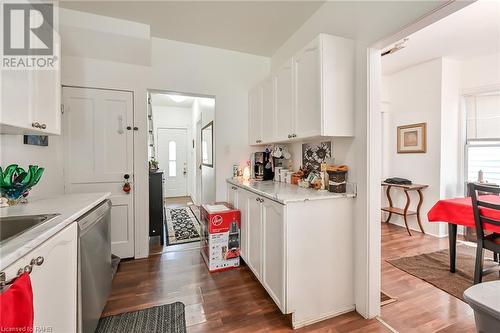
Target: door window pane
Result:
[172, 159]
[172, 168]
[171, 151]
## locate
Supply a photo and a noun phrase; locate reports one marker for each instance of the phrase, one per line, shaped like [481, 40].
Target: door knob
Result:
[126, 176]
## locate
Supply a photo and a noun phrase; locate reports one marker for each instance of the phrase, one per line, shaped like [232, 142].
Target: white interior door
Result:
[99, 154]
[172, 158]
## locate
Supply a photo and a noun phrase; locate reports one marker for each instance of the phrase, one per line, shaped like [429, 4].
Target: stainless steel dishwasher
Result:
[94, 266]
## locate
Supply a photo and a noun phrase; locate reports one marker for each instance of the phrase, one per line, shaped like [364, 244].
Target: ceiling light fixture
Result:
[177, 98]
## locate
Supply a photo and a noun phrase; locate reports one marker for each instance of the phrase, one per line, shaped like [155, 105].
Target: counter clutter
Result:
[285, 193]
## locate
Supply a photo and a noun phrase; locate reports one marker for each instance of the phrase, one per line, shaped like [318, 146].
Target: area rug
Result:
[168, 318]
[182, 226]
[434, 268]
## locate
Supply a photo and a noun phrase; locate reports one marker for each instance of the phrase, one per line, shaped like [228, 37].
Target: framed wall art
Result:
[412, 138]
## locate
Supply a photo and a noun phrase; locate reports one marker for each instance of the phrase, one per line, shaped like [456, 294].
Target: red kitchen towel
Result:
[459, 211]
[16, 306]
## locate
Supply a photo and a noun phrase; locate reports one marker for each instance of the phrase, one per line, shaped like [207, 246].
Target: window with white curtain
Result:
[482, 149]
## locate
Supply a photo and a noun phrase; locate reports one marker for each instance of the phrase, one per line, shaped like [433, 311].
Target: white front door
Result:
[98, 137]
[172, 158]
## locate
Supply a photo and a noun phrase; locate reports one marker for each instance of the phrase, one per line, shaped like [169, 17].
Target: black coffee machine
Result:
[263, 168]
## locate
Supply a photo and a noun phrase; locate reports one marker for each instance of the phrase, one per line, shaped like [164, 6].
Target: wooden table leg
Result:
[452, 238]
[388, 193]
[420, 201]
[406, 210]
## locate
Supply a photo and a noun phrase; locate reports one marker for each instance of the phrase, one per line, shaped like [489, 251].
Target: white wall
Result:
[480, 72]
[208, 174]
[14, 151]
[414, 96]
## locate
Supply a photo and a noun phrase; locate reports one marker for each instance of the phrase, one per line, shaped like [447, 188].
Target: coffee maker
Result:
[262, 165]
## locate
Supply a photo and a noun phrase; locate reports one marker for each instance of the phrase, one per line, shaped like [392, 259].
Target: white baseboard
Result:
[306, 322]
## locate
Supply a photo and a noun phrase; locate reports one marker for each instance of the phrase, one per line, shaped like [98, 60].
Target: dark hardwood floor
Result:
[234, 301]
[420, 306]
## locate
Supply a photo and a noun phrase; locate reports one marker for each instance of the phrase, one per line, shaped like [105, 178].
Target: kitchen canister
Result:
[277, 171]
[283, 175]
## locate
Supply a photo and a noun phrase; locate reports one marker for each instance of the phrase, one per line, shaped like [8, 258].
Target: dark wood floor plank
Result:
[234, 301]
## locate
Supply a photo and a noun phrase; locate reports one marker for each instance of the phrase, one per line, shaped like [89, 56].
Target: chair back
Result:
[477, 204]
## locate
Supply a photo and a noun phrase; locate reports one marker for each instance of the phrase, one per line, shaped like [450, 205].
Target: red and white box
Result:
[220, 236]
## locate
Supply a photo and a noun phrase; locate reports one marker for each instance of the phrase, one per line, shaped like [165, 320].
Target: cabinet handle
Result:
[38, 261]
[294, 135]
[43, 126]
[35, 125]
[289, 136]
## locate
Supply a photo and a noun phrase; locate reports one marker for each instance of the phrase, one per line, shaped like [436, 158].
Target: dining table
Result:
[459, 211]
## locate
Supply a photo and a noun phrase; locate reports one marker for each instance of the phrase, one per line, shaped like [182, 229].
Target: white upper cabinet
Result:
[307, 70]
[268, 110]
[284, 101]
[255, 115]
[30, 100]
[313, 94]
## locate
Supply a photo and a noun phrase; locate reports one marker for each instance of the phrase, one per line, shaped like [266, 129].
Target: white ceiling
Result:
[470, 32]
[255, 27]
[180, 101]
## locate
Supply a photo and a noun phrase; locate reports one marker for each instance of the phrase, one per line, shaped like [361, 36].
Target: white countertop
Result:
[69, 206]
[285, 193]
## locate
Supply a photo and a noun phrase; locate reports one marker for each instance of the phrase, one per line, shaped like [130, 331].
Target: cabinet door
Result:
[243, 207]
[255, 115]
[284, 102]
[308, 91]
[268, 110]
[46, 95]
[54, 282]
[47, 101]
[15, 98]
[273, 258]
[254, 223]
[232, 195]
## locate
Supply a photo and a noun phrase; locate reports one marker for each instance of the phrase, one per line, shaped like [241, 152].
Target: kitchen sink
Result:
[15, 225]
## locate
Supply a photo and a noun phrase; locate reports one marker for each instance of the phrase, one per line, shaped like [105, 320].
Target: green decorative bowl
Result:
[15, 182]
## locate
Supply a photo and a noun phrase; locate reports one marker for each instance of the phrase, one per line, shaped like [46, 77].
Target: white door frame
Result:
[198, 165]
[188, 132]
[368, 304]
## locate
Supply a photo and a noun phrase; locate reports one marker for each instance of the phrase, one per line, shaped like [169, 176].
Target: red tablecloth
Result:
[459, 211]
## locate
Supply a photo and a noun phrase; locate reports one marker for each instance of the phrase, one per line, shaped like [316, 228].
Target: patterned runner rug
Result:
[168, 318]
[182, 226]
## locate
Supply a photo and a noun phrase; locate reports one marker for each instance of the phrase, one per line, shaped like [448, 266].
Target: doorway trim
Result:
[368, 305]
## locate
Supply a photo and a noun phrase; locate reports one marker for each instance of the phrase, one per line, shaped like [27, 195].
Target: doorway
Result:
[175, 126]
[419, 130]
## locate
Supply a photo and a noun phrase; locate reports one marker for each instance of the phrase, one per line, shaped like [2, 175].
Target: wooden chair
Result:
[490, 242]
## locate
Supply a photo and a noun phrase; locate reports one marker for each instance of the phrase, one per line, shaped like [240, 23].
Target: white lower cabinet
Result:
[301, 252]
[232, 195]
[54, 282]
[254, 224]
[273, 256]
